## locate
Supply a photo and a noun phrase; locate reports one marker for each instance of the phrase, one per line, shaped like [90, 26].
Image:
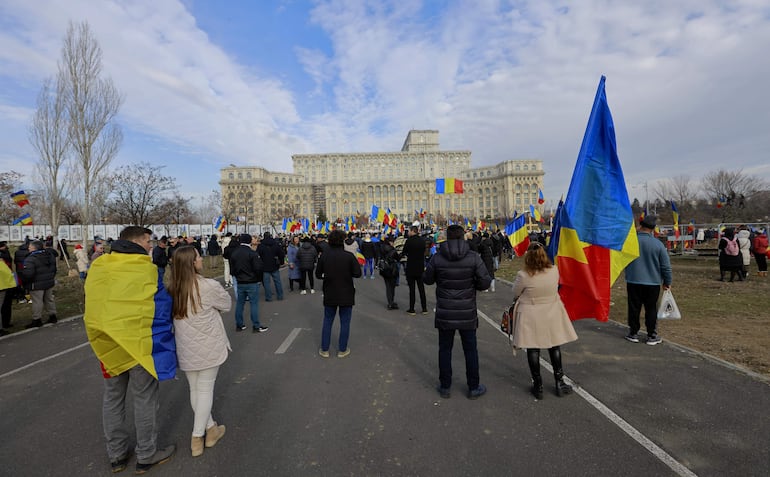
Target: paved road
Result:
[640, 411]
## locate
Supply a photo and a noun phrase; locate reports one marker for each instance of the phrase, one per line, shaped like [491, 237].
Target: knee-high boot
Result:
[562, 388]
[533, 358]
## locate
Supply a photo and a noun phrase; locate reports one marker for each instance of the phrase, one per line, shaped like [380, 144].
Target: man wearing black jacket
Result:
[39, 275]
[272, 256]
[414, 249]
[159, 256]
[246, 267]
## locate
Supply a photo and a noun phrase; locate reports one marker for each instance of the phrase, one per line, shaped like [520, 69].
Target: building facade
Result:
[344, 184]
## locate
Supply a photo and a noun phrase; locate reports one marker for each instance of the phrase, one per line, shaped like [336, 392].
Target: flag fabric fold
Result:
[518, 236]
[20, 198]
[25, 219]
[596, 239]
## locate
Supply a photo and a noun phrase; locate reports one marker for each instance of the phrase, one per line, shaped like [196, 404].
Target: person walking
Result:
[201, 340]
[82, 262]
[39, 276]
[389, 270]
[337, 268]
[760, 252]
[272, 257]
[134, 342]
[414, 249]
[246, 267]
[458, 274]
[643, 280]
[307, 255]
[368, 251]
[293, 262]
[541, 321]
[488, 257]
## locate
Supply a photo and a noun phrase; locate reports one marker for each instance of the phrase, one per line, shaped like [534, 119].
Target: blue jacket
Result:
[653, 265]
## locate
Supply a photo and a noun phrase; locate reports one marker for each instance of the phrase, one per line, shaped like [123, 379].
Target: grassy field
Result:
[727, 320]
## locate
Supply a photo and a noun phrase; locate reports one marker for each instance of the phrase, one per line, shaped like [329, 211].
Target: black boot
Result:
[562, 388]
[34, 324]
[533, 358]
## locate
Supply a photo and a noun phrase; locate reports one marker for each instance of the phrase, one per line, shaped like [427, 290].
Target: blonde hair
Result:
[536, 260]
[183, 286]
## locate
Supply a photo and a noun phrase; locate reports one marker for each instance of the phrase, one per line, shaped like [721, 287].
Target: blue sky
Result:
[209, 83]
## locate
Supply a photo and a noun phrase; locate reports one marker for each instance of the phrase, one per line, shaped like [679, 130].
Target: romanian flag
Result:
[721, 202]
[535, 213]
[360, 257]
[25, 219]
[20, 198]
[129, 325]
[540, 198]
[596, 239]
[449, 186]
[516, 230]
[378, 214]
[675, 213]
[221, 223]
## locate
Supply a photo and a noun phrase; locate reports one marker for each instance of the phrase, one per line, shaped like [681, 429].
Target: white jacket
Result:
[201, 341]
[744, 245]
[82, 259]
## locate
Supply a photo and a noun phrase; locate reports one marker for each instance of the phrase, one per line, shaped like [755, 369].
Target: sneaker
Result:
[259, 329]
[653, 339]
[342, 354]
[52, 319]
[444, 392]
[478, 392]
[240, 328]
[312, 292]
[22, 301]
[411, 312]
[371, 277]
[303, 292]
[324, 354]
[632, 338]
[161, 456]
[34, 324]
[119, 465]
[424, 312]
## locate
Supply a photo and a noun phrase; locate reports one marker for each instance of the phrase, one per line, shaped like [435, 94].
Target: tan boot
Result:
[196, 445]
[213, 434]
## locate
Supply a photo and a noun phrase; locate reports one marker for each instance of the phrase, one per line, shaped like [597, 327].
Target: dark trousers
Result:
[304, 276]
[642, 296]
[761, 261]
[390, 290]
[7, 306]
[411, 281]
[446, 340]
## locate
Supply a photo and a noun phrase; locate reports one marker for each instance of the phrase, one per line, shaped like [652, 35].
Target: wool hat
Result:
[245, 238]
[649, 221]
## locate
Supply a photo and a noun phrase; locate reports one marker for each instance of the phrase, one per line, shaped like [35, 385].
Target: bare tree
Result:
[731, 189]
[677, 188]
[49, 135]
[93, 103]
[176, 210]
[210, 208]
[139, 193]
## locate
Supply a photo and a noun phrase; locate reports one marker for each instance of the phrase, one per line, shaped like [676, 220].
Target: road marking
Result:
[634, 433]
[287, 342]
[9, 373]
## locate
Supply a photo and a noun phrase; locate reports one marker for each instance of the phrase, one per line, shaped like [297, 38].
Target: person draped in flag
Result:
[121, 336]
[541, 321]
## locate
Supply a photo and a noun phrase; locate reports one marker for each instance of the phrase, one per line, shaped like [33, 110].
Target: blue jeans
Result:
[250, 290]
[369, 265]
[346, 313]
[276, 277]
[446, 339]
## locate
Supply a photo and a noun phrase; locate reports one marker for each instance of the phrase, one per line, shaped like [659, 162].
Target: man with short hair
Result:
[272, 255]
[643, 278]
[246, 268]
[134, 342]
[414, 249]
[39, 277]
[458, 273]
[159, 256]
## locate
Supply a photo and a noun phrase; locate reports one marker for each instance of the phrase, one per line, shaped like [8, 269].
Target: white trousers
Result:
[202, 398]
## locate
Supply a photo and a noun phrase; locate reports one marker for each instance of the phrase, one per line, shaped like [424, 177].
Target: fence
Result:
[74, 233]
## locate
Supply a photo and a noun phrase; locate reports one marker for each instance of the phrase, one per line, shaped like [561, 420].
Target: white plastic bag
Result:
[668, 309]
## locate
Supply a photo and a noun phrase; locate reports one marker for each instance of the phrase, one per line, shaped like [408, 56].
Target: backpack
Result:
[732, 247]
[388, 268]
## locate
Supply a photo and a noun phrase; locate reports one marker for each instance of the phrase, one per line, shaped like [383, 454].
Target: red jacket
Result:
[760, 244]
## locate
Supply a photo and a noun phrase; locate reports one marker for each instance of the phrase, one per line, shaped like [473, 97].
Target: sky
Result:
[212, 83]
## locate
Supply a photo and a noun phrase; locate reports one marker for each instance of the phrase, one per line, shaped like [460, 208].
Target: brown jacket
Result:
[541, 320]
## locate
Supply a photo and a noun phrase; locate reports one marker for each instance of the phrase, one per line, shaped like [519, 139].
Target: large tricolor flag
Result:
[449, 186]
[20, 198]
[25, 219]
[597, 239]
[516, 230]
[675, 213]
[132, 325]
[220, 223]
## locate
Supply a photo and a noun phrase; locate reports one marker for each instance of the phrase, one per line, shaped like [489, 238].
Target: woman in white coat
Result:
[201, 341]
[744, 246]
[541, 320]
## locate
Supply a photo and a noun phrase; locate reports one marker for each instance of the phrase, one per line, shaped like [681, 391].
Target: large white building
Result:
[343, 184]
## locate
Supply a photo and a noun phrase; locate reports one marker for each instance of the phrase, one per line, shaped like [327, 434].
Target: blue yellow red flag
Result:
[675, 213]
[25, 219]
[597, 239]
[449, 185]
[20, 198]
[540, 198]
[535, 213]
[518, 236]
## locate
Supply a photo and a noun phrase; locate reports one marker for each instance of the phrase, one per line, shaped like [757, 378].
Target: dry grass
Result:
[728, 320]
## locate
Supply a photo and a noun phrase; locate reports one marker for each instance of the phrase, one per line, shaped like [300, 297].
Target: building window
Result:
[240, 175]
[248, 175]
[231, 176]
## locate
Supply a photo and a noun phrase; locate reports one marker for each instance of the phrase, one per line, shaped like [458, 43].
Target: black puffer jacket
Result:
[487, 255]
[457, 272]
[40, 270]
[307, 256]
[245, 265]
[414, 249]
[271, 253]
[337, 268]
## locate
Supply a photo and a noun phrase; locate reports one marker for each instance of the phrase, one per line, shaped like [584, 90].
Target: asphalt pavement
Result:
[639, 410]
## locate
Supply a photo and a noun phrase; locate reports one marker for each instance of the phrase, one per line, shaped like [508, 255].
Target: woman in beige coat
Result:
[540, 318]
[201, 341]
